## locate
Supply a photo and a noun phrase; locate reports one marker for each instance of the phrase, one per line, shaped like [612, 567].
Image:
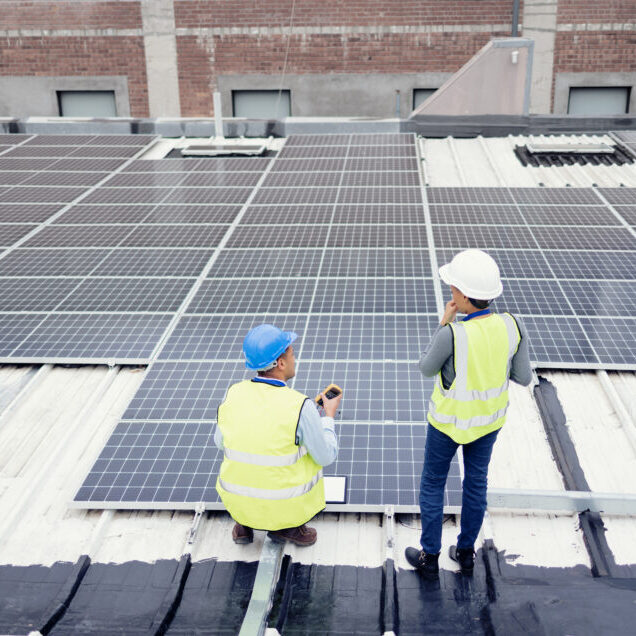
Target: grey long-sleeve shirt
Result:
[440, 356]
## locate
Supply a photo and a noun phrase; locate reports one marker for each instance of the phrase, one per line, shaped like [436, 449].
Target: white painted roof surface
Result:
[42, 463]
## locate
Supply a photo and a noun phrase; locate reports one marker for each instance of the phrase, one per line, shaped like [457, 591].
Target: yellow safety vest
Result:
[266, 480]
[477, 400]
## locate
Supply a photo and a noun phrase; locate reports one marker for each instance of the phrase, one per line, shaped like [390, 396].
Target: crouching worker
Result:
[473, 360]
[275, 444]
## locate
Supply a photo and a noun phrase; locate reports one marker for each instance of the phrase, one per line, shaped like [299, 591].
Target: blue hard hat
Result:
[264, 344]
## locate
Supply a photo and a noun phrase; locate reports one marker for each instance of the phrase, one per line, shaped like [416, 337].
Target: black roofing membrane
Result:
[501, 598]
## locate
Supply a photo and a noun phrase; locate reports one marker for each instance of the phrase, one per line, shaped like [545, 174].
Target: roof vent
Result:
[221, 150]
[553, 154]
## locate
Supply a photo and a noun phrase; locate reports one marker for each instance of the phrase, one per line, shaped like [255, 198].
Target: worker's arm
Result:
[317, 434]
[218, 438]
[520, 369]
[439, 350]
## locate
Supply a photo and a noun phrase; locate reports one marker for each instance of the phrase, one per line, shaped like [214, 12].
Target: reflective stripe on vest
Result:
[459, 391]
[265, 460]
[262, 493]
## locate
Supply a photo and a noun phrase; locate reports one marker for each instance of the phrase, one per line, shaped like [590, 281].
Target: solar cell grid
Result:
[592, 264]
[9, 234]
[13, 178]
[557, 340]
[14, 328]
[306, 152]
[221, 337]
[383, 139]
[128, 294]
[410, 214]
[11, 139]
[379, 195]
[302, 179]
[232, 164]
[619, 196]
[533, 297]
[512, 263]
[263, 264]
[307, 165]
[79, 236]
[384, 464]
[215, 296]
[192, 214]
[317, 140]
[146, 180]
[127, 195]
[601, 298]
[50, 262]
[222, 179]
[352, 263]
[16, 164]
[184, 390]
[369, 337]
[158, 462]
[161, 165]
[567, 215]
[86, 165]
[279, 236]
[362, 152]
[288, 214]
[175, 236]
[104, 214]
[582, 238]
[208, 195]
[40, 151]
[378, 236]
[57, 178]
[59, 140]
[555, 196]
[483, 236]
[627, 212]
[103, 152]
[311, 196]
[379, 391]
[613, 339]
[375, 164]
[374, 295]
[40, 194]
[35, 294]
[490, 196]
[402, 179]
[474, 214]
[153, 262]
[109, 336]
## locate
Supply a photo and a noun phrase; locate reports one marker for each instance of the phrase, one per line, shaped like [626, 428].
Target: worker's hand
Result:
[330, 406]
[449, 312]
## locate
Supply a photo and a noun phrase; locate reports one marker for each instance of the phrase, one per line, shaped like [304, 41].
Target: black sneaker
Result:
[424, 563]
[465, 557]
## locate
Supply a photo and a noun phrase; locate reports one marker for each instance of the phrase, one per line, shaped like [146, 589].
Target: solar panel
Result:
[584, 238]
[35, 294]
[208, 195]
[104, 214]
[313, 164]
[17, 164]
[567, 215]
[79, 236]
[378, 391]
[14, 177]
[383, 139]
[98, 336]
[9, 234]
[619, 196]
[613, 339]
[153, 262]
[288, 214]
[393, 179]
[554, 340]
[352, 263]
[601, 298]
[410, 214]
[221, 337]
[400, 196]
[51, 262]
[317, 140]
[127, 195]
[40, 194]
[279, 236]
[591, 264]
[532, 297]
[483, 236]
[84, 165]
[175, 236]
[51, 178]
[474, 214]
[105, 151]
[193, 214]
[376, 164]
[147, 180]
[361, 152]
[59, 140]
[222, 179]
[384, 464]
[263, 264]
[128, 294]
[300, 152]
[233, 296]
[302, 179]
[369, 337]
[311, 196]
[14, 328]
[555, 196]
[184, 390]
[512, 263]
[378, 236]
[11, 139]
[40, 152]
[488, 196]
[627, 212]
[374, 295]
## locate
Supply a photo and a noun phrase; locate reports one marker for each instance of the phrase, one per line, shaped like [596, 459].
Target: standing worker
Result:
[275, 444]
[473, 360]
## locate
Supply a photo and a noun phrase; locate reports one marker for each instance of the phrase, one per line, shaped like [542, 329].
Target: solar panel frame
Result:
[14, 328]
[627, 212]
[11, 233]
[613, 339]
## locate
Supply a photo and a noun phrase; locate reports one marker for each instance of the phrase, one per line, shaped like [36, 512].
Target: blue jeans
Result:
[440, 450]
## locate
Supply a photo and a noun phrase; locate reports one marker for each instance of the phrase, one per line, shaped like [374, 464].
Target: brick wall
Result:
[80, 56]
[596, 11]
[69, 15]
[585, 51]
[274, 13]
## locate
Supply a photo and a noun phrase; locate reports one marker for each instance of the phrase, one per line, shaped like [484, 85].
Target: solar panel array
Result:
[627, 139]
[103, 249]
[337, 252]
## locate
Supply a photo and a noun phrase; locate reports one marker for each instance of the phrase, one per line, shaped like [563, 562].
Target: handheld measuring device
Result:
[331, 391]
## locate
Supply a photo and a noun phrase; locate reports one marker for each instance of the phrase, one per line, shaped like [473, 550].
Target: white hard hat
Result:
[474, 273]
